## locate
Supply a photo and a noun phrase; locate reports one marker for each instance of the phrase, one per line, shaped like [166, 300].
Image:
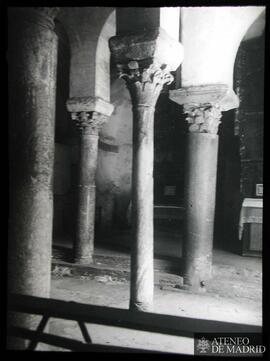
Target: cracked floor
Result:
[233, 295]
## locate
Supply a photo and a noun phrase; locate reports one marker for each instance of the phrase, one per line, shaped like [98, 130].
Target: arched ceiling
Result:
[256, 29]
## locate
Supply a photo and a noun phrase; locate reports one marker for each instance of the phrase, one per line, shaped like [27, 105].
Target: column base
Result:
[140, 306]
[84, 260]
[194, 286]
[197, 281]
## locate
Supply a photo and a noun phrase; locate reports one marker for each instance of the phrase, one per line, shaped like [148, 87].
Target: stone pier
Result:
[144, 61]
[89, 114]
[32, 58]
[203, 106]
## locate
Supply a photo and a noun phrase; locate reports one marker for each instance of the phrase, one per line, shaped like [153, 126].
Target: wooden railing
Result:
[83, 313]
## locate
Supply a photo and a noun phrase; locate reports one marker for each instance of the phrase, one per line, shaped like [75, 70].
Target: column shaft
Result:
[203, 105]
[200, 191]
[142, 279]
[32, 57]
[84, 243]
[144, 61]
[89, 114]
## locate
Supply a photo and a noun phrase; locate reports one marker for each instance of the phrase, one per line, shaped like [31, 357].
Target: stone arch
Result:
[211, 37]
[87, 77]
[249, 86]
[255, 31]
[87, 28]
[251, 29]
[102, 69]
[234, 168]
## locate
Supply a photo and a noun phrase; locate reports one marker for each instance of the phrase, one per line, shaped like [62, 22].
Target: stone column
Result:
[203, 106]
[145, 78]
[89, 114]
[32, 58]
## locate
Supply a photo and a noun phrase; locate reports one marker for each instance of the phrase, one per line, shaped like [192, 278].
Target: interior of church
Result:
[136, 176]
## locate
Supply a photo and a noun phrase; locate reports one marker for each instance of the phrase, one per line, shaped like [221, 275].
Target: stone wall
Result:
[240, 165]
[250, 80]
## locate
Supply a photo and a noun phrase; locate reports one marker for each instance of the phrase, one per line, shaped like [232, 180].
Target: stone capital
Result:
[204, 118]
[89, 122]
[42, 16]
[144, 83]
[145, 61]
[89, 104]
[152, 46]
[204, 105]
[215, 94]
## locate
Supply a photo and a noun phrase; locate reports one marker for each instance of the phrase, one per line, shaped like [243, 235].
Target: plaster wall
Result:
[211, 37]
[114, 167]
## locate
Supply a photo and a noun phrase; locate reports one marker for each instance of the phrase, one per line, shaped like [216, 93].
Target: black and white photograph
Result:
[136, 178]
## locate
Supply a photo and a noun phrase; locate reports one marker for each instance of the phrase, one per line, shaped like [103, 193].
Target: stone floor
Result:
[234, 294]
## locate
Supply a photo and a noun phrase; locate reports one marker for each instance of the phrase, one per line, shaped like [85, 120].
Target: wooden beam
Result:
[70, 344]
[144, 321]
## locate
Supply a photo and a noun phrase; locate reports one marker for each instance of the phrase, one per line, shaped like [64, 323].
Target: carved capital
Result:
[203, 105]
[144, 81]
[42, 16]
[203, 118]
[89, 104]
[89, 122]
[144, 61]
[215, 94]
